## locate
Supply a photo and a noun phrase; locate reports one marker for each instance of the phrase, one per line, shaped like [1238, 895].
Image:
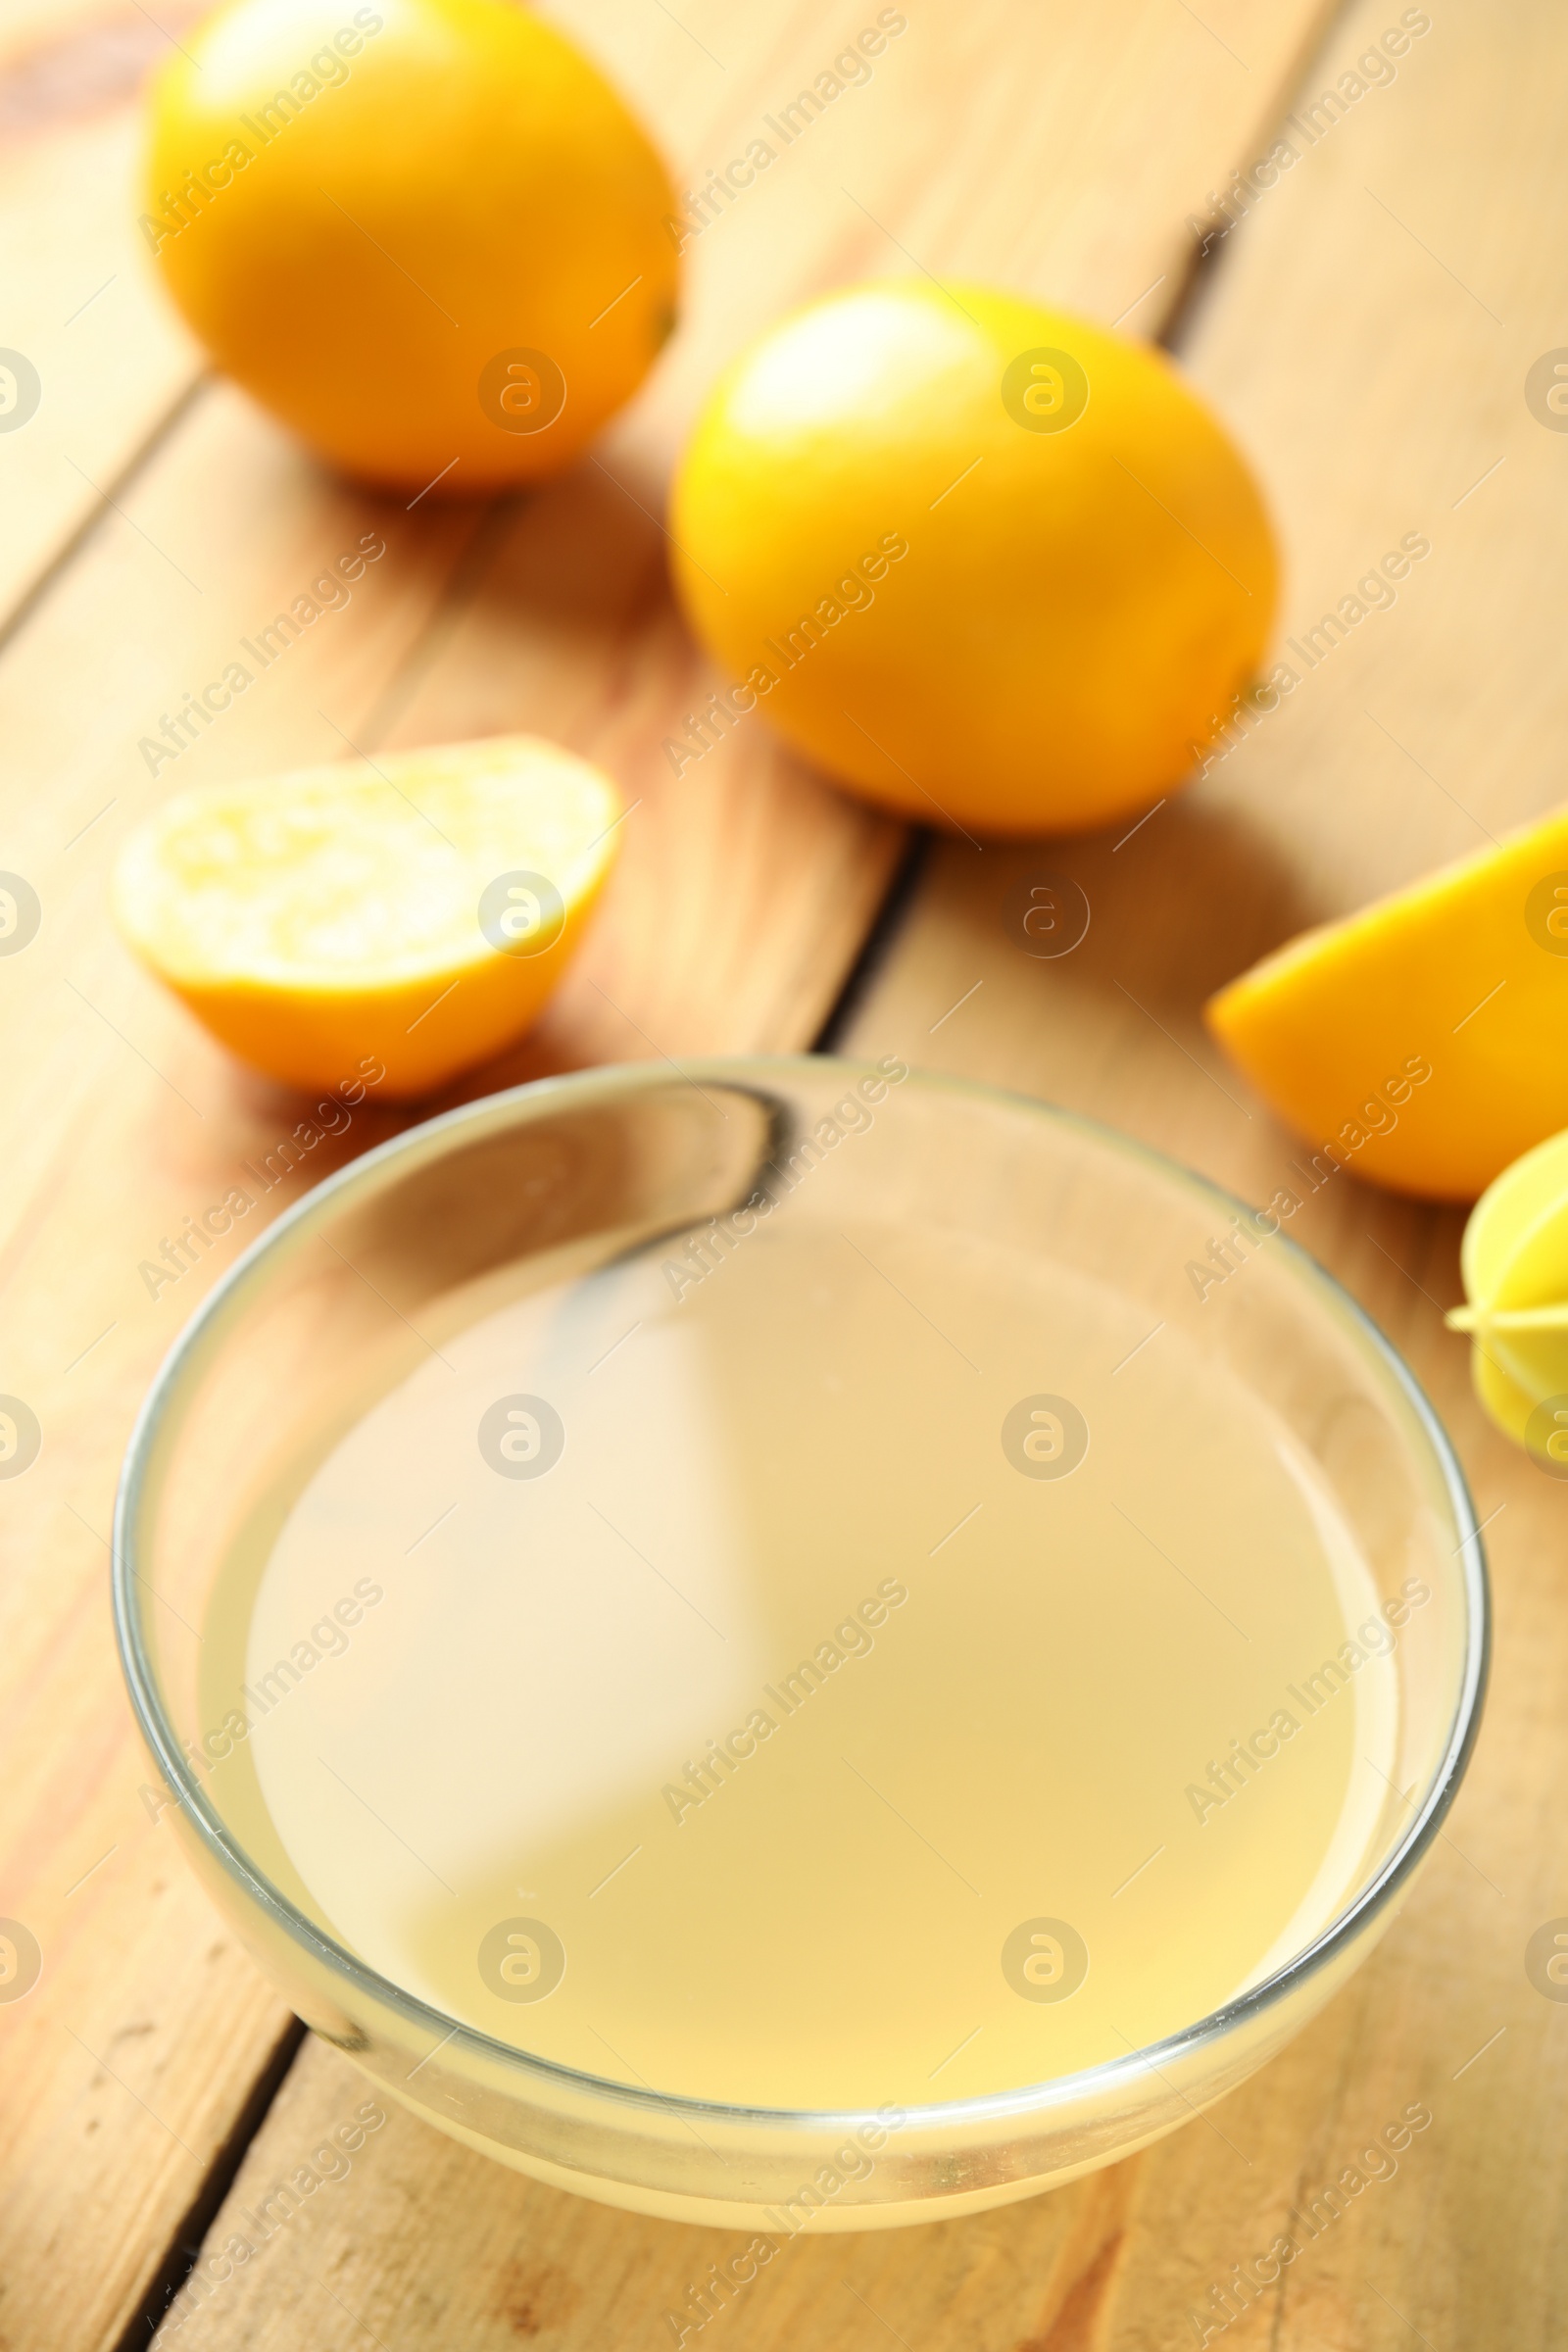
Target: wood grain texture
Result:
[81, 303]
[84, 304]
[128, 1120]
[1369, 336]
[739, 904]
[1061, 154]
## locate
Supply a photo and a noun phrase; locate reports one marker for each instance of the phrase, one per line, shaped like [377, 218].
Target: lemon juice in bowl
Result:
[842, 1651]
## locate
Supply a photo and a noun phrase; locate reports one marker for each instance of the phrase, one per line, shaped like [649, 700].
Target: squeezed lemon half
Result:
[420, 912]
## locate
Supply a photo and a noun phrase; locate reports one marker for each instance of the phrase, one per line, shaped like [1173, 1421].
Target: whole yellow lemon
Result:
[425, 233]
[981, 561]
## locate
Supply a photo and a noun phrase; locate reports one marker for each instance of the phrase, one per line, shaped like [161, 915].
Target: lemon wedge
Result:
[1422, 1041]
[416, 913]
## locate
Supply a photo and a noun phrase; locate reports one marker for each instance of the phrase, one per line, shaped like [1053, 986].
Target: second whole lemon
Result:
[427, 234]
[984, 562]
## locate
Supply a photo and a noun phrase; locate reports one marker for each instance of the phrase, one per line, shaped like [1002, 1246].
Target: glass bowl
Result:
[334, 1305]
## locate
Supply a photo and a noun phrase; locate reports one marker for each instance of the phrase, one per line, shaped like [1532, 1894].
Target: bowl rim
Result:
[536, 1099]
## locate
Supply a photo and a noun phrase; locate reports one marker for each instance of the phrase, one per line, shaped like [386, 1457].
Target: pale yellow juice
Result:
[797, 1711]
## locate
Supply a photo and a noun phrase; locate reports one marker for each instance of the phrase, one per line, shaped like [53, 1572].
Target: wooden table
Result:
[1366, 330]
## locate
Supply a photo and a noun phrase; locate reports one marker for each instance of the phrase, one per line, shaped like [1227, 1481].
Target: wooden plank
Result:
[124, 1119]
[548, 629]
[1369, 335]
[115, 363]
[127, 2068]
[111, 360]
[130, 2060]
